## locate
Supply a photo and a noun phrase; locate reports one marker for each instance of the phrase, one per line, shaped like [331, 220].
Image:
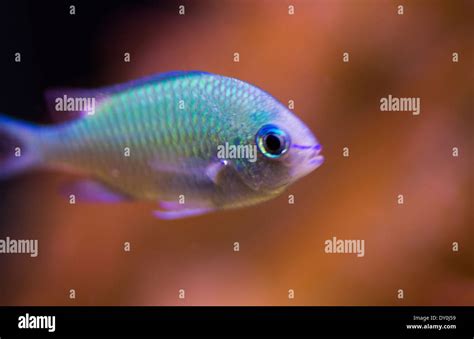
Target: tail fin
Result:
[18, 148]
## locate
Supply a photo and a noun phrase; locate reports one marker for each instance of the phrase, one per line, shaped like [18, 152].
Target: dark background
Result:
[57, 49]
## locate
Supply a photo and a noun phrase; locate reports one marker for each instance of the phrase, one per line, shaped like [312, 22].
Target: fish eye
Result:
[272, 141]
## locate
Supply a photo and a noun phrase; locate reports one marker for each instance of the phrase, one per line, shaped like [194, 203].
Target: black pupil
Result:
[273, 144]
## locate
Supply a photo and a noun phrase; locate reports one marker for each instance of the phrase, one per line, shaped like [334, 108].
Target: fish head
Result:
[286, 148]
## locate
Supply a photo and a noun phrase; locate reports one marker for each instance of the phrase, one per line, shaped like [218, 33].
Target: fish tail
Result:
[19, 150]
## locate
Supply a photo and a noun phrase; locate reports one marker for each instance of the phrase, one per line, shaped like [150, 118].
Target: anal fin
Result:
[171, 210]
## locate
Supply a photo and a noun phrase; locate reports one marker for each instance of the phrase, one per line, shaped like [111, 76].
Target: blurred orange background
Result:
[294, 57]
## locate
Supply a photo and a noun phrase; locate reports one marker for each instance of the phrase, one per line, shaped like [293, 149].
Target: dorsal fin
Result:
[60, 101]
[150, 80]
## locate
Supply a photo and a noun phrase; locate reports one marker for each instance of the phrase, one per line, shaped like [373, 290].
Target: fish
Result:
[159, 139]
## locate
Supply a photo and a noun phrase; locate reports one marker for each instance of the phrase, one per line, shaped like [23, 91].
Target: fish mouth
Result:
[311, 153]
[307, 160]
[317, 160]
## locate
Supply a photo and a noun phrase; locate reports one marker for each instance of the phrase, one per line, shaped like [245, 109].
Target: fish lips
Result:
[305, 161]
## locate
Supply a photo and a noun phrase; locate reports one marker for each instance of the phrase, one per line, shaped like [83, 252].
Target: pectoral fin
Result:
[215, 170]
